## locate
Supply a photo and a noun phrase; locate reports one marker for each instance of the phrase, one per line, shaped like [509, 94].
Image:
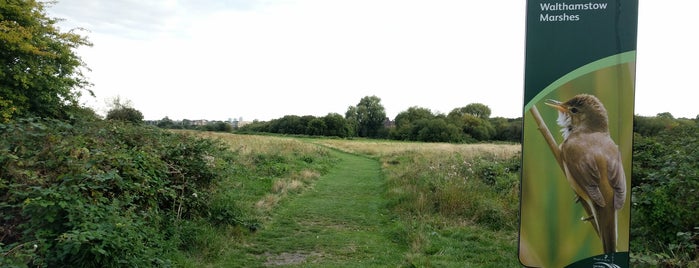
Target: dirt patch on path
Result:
[287, 258]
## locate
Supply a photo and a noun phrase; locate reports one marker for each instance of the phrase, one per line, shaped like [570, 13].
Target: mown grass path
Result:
[341, 221]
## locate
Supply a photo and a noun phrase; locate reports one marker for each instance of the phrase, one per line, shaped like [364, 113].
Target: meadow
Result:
[440, 204]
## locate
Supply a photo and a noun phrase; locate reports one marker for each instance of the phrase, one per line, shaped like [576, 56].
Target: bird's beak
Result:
[556, 104]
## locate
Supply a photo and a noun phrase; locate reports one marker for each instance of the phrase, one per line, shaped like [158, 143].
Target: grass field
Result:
[336, 203]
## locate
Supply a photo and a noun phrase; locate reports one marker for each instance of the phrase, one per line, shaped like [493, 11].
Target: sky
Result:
[264, 59]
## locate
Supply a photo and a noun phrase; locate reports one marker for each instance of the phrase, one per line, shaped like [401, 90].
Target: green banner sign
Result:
[578, 129]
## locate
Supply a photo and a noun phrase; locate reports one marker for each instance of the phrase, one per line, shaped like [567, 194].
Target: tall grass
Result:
[458, 203]
[266, 171]
[451, 205]
[382, 148]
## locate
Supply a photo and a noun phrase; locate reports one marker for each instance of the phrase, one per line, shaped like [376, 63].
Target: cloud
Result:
[258, 59]
[125, 18]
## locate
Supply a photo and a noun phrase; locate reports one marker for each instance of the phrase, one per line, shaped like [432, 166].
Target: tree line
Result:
[367, 119]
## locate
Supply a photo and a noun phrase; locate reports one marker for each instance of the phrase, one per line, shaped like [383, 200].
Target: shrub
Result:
[127, 114]
[483, 189]
[665, 199]
[100, 193]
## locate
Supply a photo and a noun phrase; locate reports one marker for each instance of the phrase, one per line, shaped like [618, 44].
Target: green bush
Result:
[127, 114]
[101, 193]
[665, 199]
[483, 190]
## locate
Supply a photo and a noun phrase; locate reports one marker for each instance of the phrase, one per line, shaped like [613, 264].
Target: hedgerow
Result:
[665, 212]
[102, 193]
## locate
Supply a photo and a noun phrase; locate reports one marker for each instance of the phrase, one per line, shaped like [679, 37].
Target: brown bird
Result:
[592, 163]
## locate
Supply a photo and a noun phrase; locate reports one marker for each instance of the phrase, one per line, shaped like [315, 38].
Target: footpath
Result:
[341, 221]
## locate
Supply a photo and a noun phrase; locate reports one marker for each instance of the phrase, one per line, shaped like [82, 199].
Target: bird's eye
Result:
[574, 110]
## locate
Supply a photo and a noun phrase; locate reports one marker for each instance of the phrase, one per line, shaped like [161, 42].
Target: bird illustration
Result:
[592, 163]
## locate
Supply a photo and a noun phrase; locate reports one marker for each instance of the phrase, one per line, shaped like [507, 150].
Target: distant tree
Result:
[437, 130]
[121, 109]
[289, 124]
[473, 127]
[665, 115]
[219, 126]
[652, 125]
[127, 114]
[476, 109]
[257, 126]
[316, 127]
[473, 120]
[166, 122]
[413, 114]
[40, 73]
[405, 128]
[369, 116]
[507, 129]
[351, 117]
[336, 125]
[305, 123]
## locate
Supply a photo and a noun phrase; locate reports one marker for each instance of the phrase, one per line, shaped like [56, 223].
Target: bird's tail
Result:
[607, 222]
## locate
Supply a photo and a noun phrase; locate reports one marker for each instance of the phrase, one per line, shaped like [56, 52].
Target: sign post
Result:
[578, 129]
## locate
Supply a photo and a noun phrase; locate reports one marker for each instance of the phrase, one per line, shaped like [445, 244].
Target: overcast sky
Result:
[221, 59]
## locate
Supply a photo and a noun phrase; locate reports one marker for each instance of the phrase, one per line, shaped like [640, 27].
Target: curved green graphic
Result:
[625, 57]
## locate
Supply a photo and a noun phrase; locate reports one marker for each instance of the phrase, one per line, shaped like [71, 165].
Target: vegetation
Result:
[123, 110]
[665, 181]
[468, 124]
[380, 211]
[456, 204]
[105, 193]
[40, 73]
[367, 118]
[102, 193]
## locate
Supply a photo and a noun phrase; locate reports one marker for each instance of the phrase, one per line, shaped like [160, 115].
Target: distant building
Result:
[238, 123]
[200, 122]
[388, 123]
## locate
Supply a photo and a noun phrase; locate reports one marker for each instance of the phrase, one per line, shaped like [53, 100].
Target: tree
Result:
[473, 120]
[476, 109]
[127, 114]
[336, 125]
[121, 109]
[406, 120]
[437, 130]
[351, 116]
[369, 116]
[652, 126]
[166, 122]
[507, 129]
[316, 127]
[40, 73]
[477, 128]
[218, 126]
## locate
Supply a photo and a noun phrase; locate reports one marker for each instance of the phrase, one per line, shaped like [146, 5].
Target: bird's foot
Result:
[587, 219]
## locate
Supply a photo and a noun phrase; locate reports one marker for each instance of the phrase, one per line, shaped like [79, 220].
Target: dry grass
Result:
[268, 202]
[254, 144]
[254, 149]
[385, 148]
